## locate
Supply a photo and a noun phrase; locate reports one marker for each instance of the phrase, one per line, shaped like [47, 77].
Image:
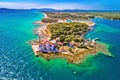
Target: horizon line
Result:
[61, 9]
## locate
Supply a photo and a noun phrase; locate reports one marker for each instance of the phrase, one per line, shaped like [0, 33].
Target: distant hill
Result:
[65, 10]
[4, 9]
[74, 10]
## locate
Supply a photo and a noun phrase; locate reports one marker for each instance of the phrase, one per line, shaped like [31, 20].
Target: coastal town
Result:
[61, 36]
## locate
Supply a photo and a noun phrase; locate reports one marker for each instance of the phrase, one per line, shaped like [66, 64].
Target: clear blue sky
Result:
[62, 4]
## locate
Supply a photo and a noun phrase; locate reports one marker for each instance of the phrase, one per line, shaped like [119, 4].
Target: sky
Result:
[62, 4]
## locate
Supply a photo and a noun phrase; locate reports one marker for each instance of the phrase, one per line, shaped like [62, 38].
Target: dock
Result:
[35, 49]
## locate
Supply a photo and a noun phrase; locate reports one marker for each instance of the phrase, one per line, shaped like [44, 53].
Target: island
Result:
[62, 35]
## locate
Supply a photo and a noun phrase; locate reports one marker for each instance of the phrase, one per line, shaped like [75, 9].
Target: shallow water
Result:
[19, 63]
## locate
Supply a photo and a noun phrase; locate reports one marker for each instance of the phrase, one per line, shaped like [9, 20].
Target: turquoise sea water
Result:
[17, 61]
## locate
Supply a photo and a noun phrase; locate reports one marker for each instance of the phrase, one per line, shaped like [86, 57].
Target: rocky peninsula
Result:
[63, 36]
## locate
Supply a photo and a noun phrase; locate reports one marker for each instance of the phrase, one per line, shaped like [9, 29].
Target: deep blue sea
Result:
[18, 62]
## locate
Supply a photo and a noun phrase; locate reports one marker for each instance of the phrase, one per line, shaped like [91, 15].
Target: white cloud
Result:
[64, 6]
[22, 5]
[16, 5]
